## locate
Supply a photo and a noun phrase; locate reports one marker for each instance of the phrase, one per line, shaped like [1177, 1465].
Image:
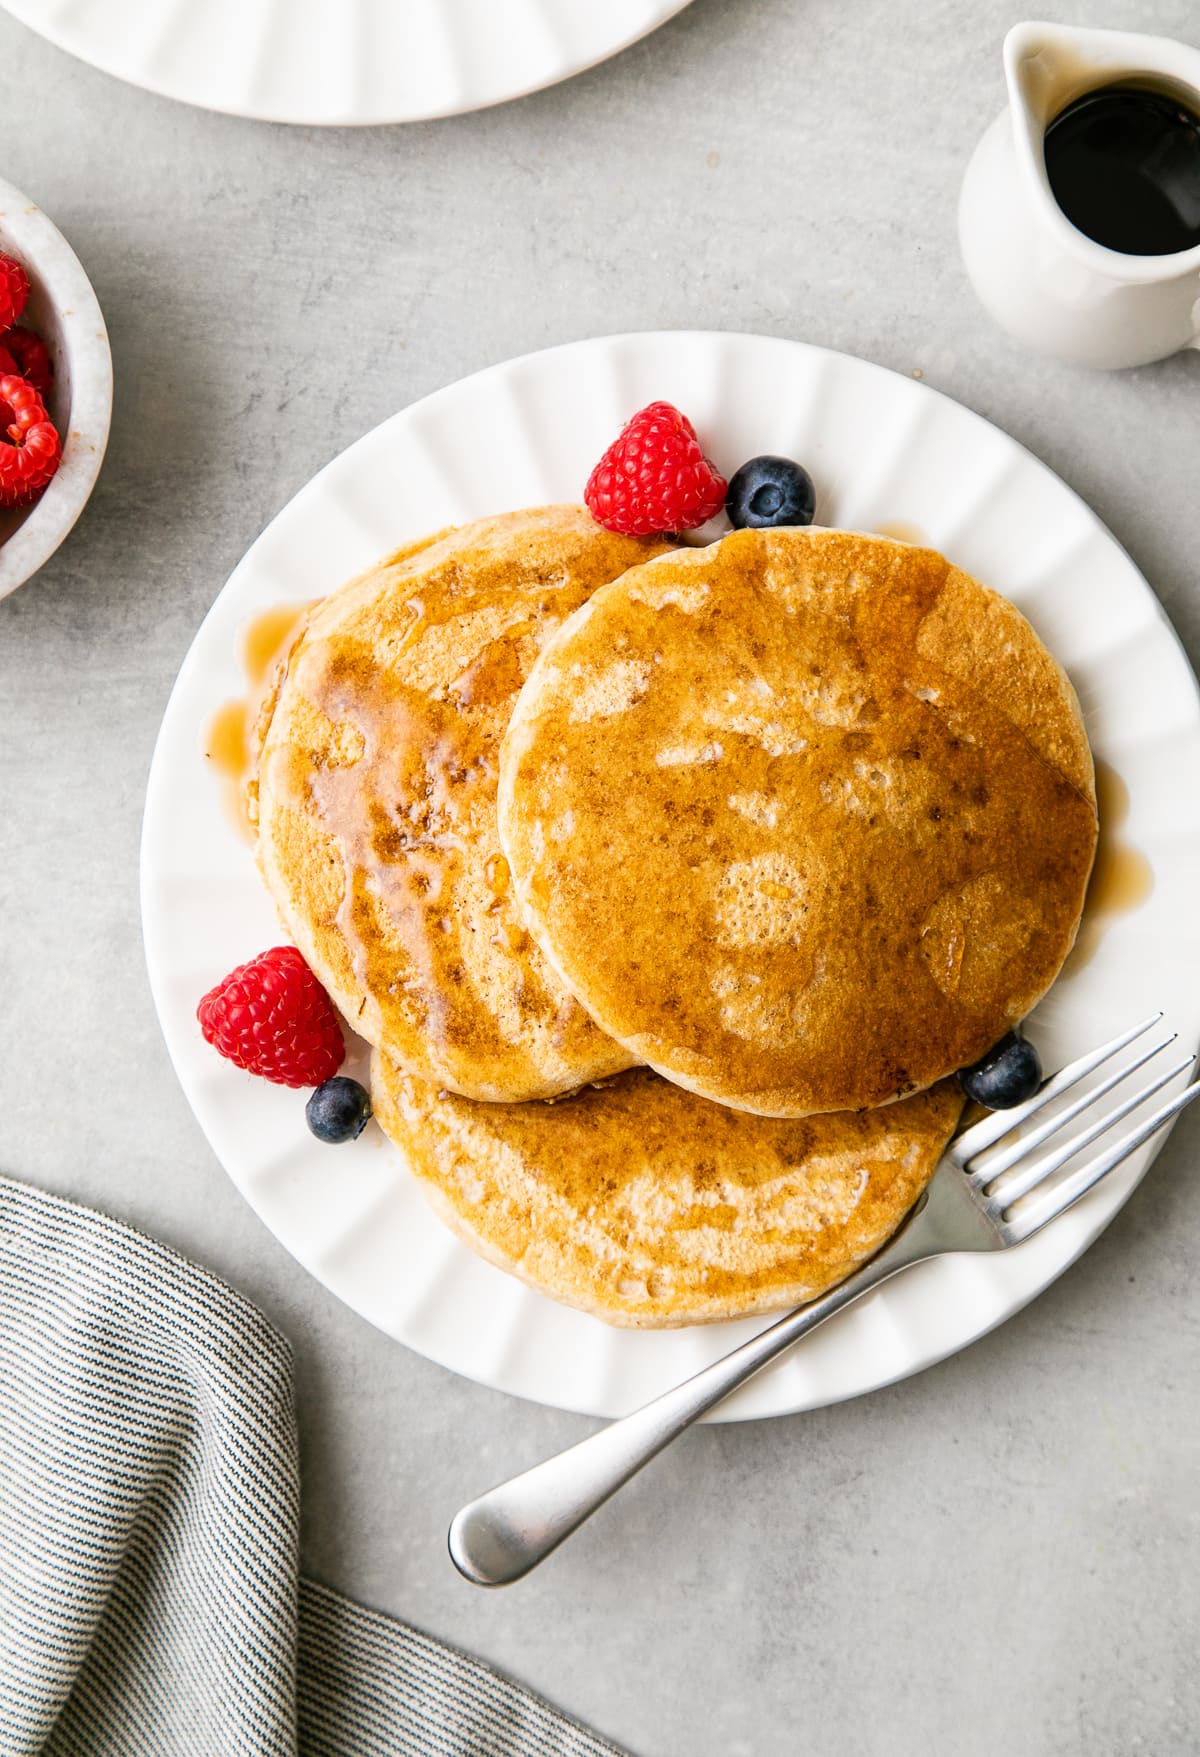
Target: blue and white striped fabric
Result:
[150, 1599]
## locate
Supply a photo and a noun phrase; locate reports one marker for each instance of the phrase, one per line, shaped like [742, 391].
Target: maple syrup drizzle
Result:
[903, 531]
[410, 801]
[264, 644]
[225, 746]
[1122, 878]
[266, 638]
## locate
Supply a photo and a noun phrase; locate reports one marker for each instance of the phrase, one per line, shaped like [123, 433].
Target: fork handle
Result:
[502, 1535]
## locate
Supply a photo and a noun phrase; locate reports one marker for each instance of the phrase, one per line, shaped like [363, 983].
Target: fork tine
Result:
[1057, 1201]
[993, 1127]
[1030, 1176]
[1024, 1145]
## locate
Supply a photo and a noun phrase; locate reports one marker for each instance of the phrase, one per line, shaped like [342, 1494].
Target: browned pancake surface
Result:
[377, 802]
[804, 819]
[648, 1206]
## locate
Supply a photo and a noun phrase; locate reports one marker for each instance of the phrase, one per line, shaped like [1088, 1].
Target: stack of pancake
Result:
[671, 885]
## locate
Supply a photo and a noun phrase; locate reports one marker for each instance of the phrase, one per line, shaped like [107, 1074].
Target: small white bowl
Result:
[63, 310]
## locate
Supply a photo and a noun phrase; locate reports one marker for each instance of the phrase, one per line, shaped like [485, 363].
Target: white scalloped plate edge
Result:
[355, 64]
[882, 448]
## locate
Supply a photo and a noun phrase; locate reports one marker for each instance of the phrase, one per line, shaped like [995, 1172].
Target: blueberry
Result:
[771, 491]
[1008, 1074]
[338, 1110]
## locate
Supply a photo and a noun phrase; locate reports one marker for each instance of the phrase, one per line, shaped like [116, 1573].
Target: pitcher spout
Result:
[1048, 66]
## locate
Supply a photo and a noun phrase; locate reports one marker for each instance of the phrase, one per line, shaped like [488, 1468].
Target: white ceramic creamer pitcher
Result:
[1044, 281]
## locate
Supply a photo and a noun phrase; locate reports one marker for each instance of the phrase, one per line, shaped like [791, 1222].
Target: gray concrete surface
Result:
[997, 1559]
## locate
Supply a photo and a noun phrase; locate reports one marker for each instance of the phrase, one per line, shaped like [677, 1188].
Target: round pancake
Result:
[376, 802]
[648, 1206]
[804, 819]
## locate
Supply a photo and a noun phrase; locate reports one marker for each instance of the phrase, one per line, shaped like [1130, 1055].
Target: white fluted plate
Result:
[885, 452]
[343, 62]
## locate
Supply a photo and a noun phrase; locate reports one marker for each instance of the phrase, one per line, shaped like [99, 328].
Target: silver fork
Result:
[508, 1531]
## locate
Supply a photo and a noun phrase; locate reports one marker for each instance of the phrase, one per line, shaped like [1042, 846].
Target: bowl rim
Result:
[32, 236]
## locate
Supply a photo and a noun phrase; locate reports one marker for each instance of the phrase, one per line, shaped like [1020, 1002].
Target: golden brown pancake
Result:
[804, 819]
[377, 802]
[648, 1206]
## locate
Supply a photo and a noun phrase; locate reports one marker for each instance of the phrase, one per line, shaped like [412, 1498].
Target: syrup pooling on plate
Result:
[230, 741]
[1122, 877]
[903, 531]
[266, 640]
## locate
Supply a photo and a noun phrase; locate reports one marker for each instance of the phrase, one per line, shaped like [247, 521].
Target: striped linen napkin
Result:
[150, 1599]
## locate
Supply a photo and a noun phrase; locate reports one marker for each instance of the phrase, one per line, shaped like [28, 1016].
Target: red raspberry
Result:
[14, 290]
[654, 477]
[29, 357]
[272, 1017]
[29, 446]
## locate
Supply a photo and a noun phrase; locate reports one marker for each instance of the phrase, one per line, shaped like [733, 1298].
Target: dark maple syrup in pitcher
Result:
[1124, 165]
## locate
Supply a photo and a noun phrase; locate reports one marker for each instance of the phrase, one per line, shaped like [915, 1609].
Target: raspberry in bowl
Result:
[55, 382]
